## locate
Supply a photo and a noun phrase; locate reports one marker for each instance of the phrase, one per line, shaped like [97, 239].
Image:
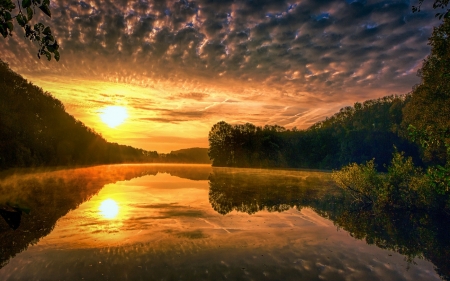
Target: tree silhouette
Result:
[354, 134]
[438, 4]
[37, 32]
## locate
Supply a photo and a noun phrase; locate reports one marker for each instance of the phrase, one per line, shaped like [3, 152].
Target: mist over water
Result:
[194, 222]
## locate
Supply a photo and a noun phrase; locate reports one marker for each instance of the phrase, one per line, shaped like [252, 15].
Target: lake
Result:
[195, 222]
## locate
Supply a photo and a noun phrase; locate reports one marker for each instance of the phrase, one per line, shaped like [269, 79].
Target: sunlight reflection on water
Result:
[109, 209]
[196, 226]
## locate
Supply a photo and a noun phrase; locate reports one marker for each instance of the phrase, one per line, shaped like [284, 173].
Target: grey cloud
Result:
[192, 95]
[176, 116]
[317, 46]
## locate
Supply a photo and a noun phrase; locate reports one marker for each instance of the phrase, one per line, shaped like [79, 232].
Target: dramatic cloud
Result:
[261, 61]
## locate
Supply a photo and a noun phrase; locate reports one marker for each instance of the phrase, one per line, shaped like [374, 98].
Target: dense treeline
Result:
[35, 130]
[188, 155]
[354, 134]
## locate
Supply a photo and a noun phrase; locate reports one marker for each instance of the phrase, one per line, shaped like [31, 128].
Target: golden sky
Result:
[178, 67]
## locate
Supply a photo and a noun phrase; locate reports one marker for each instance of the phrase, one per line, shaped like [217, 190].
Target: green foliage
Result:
[37, 32]
[403, 186]
[438, 175]
[440, 178]
[362, 180]
[427, 114]
[354, 134]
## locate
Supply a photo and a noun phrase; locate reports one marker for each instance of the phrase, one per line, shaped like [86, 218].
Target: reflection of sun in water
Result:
[113, 116]
[109, 209]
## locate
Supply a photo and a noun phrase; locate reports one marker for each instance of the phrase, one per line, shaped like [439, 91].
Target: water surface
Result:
[194, 222]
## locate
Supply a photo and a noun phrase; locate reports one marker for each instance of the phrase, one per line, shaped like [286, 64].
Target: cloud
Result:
[312, 56]
[192, 95]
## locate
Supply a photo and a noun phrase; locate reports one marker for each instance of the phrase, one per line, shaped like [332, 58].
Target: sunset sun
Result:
[113, 116]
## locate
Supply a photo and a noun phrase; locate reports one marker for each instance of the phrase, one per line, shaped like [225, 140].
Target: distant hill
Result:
[193, 155]
[35, 130]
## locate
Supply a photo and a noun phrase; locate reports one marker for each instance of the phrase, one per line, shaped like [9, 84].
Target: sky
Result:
[179, 67]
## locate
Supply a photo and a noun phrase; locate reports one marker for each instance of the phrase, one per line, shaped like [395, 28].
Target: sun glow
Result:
[113, 116]
[109, 209]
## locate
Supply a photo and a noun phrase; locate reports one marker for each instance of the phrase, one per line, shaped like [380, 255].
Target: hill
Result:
[194, 154]
[35, 130]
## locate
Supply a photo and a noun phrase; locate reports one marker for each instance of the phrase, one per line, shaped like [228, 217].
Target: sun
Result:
[109, 209]
[113, 116]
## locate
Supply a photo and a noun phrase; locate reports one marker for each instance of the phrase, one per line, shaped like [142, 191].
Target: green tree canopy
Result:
[428, 112]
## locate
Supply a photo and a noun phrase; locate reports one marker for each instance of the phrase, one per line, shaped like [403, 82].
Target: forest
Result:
[37, 131]
[354, 134]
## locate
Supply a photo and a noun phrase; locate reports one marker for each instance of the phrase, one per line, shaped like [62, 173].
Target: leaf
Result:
[50, 48]
[56, 55]
[10, 26]
[47, 31]
[21, 20]
[26, 3]
[29, 13]
[46, 10]
[7, 16]
[53, 48]
[38, 26]
[48, 55]
[3, 31]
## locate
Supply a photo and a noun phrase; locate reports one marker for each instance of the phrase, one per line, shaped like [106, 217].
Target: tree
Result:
[438, 4]
[220, 144]
[36, 33]
[427, 115]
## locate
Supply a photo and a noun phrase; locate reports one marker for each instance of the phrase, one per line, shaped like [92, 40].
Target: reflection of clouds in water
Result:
[199, 254]
[311, 216]
[174, 229]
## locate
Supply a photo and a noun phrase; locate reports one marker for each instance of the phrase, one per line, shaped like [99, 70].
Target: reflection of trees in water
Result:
[278, 191]
[51, 195]
[415, 234]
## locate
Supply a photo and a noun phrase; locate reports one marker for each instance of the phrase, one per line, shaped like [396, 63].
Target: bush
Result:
[361, 180]
[403, 186]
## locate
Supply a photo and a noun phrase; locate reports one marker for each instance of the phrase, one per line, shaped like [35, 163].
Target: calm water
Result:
[194, 222]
